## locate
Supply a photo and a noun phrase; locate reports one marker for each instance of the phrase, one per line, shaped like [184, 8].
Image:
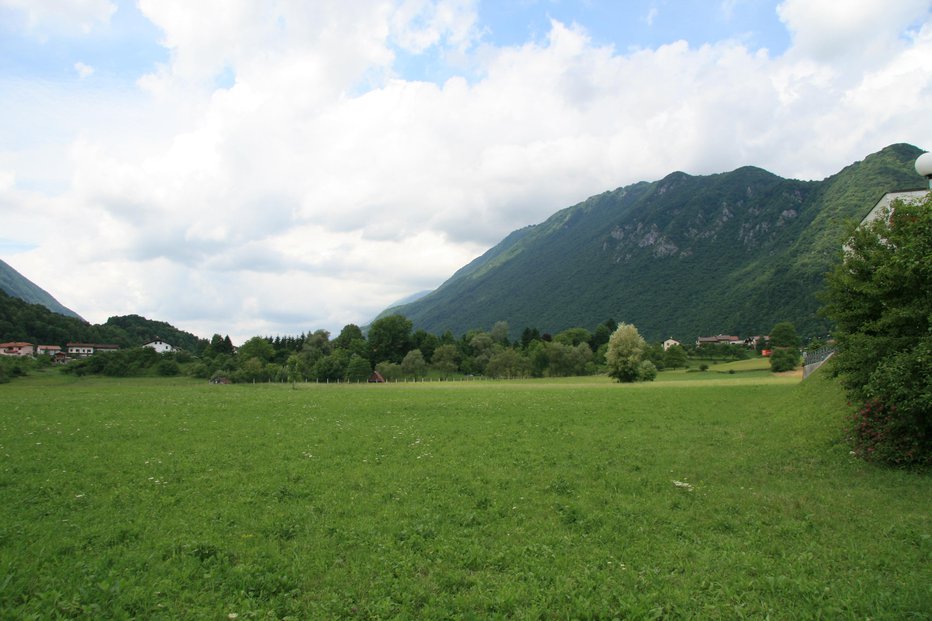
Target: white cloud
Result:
[420, 24]
[319, 186]
[83, 70]
[651, 16]
[827, 30]
[52, 17]
[7, 180]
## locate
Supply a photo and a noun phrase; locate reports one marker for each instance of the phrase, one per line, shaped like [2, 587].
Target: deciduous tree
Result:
[390, 338]
[626, 350]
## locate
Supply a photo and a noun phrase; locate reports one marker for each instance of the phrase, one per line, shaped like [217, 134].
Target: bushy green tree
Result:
[880, 297]
[626, 350]
[507, 363]
[784, 359]
[332, 367]
[426, 342]
[674, 357]
[390, 338]
[256, 347]
[445, 359]
[784, 335]
[566, 360]
[413, 364]
[358, 369]
[499, 332]
[390, 371]
[573, 337]
[350, 332]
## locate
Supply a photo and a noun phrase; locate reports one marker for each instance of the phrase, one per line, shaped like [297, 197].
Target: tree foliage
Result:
[880, 298]
[784, 334]
[626, 351]
[675, 357]
[785, 359]
[390, 338]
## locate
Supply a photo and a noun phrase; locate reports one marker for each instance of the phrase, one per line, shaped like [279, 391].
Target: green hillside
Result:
[15, 284]
[34, 323]
[686, 255]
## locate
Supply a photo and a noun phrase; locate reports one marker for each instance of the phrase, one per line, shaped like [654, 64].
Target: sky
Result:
[273, 167]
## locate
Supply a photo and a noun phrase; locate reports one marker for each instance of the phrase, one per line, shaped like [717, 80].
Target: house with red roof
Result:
[16, 349]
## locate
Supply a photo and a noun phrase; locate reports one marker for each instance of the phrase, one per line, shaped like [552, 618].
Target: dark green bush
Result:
[168, 368]
[784, 360]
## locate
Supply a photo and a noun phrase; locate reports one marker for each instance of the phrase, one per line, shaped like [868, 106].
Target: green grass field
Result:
[720, 497]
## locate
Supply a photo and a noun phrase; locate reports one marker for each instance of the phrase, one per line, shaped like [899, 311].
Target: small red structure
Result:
[766, 352]
[376, 378]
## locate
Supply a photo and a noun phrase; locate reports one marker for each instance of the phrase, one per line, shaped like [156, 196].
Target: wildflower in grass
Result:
[684, 485]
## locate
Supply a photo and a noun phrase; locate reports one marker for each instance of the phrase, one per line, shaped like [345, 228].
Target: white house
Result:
[83, 350]
[159, 345]
[924, 168]
[670, 342]
[16, 349]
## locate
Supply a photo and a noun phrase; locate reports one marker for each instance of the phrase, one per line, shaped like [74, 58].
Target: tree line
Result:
[392, 348]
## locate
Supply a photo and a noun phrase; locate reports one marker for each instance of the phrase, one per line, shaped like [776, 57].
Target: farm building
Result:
[719, 339]
[83, 350]
[16, 349]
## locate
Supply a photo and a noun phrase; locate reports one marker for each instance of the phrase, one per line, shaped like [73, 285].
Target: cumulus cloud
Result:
[835, 31]
[317, 185]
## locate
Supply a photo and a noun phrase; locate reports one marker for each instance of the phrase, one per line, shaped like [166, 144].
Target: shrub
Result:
[200, 370]
[879, 433]
[784, 360]
[647, 371]
[879, 297]
[168, 368]
[903, 384]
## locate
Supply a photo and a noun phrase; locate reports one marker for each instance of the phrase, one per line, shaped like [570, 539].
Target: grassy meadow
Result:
[706, 496]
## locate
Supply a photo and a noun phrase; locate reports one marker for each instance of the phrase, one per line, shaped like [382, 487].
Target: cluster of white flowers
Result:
[684, 485]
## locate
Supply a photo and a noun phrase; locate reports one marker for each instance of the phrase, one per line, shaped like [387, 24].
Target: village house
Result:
[720, 339]
[83, 350]
[670, 342]
[159, 345]
[16, 349]
[47, 350]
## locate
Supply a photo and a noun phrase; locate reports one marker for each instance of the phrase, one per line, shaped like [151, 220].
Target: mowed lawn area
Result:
[723, 498]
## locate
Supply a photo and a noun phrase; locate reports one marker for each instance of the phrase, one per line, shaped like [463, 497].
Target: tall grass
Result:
[726, 499]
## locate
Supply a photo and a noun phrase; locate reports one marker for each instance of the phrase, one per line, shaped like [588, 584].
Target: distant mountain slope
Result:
[18, 286]
[34, 323]
[687, 255]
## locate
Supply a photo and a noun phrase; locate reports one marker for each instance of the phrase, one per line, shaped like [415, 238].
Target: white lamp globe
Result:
[924, 165]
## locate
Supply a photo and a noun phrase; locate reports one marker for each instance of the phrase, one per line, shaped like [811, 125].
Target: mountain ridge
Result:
[18, 286]
[731, 252]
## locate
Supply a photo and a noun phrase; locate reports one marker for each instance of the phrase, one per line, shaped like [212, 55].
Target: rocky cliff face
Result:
[729, 253]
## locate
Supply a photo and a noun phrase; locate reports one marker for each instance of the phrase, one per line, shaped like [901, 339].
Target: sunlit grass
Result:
[695, 498]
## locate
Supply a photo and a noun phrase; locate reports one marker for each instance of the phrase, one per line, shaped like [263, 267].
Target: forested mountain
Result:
[34, 323]
[686, 255]
[18, 286]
